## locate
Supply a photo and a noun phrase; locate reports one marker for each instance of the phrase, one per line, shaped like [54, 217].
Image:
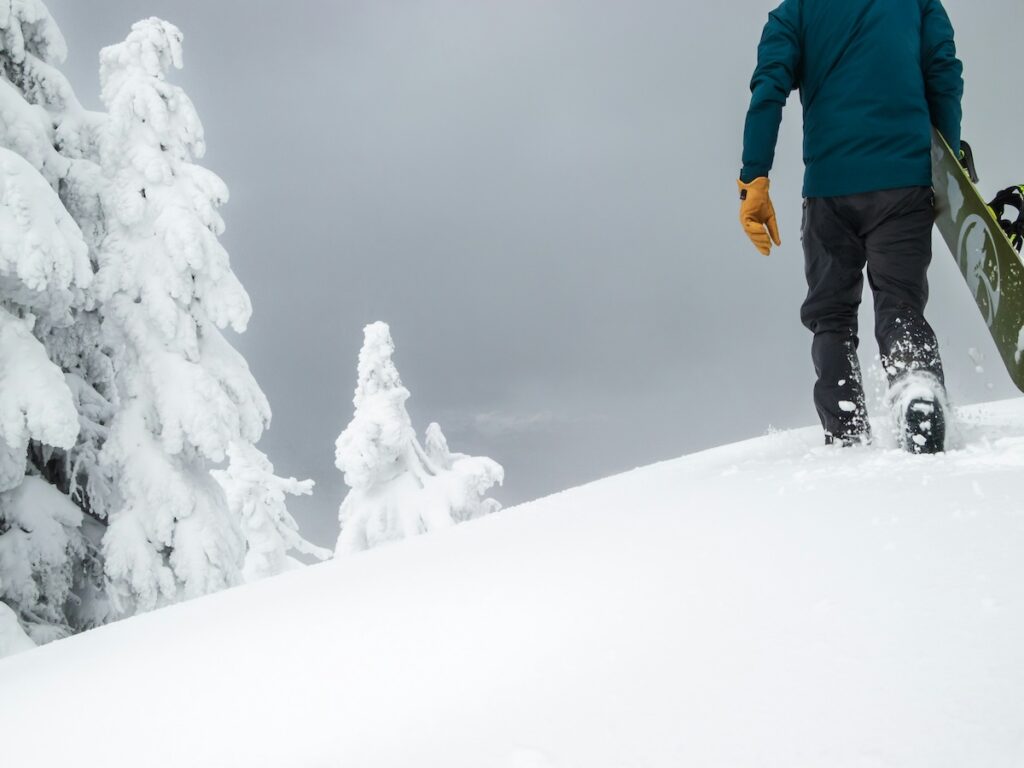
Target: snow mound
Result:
[773, 602]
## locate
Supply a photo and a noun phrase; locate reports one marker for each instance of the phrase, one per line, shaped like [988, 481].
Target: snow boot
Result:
[848, 441]
[924, 426]
[920, 412]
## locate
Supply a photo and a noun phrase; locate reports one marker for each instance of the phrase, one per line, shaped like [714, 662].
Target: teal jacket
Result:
[874, 76]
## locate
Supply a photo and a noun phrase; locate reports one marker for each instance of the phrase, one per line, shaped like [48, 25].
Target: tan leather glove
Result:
[757, 214]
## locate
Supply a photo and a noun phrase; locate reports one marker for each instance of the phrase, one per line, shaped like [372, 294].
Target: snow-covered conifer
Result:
[257, 497]
[30, 46]
[166, 290]
[475, 476]
[398, 488]
[118, 391]
[44, 273]
[40, 543]
[43, 123]
[49, 187]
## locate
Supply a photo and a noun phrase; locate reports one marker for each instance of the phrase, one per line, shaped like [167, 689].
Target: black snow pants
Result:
[889, 232]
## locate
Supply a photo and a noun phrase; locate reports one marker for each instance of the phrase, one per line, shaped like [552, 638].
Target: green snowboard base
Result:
[992, 268]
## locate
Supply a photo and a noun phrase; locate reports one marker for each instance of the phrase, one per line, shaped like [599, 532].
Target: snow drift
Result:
[768, 603]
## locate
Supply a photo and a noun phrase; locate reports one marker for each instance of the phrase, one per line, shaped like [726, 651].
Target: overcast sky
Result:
[539, 197]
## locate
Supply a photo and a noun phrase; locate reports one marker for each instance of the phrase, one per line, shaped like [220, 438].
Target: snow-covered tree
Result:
[40, 547]
[398, 488]
[45, 276]
[118, 392]
[44, 265]
[258, 498]
[166, 290]
[43, 271]
[42, 122]
[83, 349]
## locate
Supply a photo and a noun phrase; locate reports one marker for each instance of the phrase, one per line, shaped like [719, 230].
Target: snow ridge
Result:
[773, 602]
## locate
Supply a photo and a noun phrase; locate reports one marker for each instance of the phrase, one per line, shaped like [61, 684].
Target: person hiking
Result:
[874, 76]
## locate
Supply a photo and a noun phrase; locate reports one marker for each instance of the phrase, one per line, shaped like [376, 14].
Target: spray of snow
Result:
[399, 488]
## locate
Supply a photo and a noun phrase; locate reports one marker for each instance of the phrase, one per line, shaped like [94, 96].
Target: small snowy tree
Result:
[398, 488]
[166, 290]
[257, 497]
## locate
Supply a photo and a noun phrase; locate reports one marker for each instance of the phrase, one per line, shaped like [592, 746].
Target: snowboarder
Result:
[873, 77]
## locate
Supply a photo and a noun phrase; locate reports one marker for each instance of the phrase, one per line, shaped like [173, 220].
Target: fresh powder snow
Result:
[769, 603]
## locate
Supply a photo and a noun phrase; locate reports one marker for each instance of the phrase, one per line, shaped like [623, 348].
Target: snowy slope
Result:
[771, 603]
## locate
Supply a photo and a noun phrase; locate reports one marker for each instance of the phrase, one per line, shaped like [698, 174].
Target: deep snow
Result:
[770, 603]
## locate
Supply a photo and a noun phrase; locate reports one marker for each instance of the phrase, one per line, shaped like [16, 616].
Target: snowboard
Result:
[994, 271]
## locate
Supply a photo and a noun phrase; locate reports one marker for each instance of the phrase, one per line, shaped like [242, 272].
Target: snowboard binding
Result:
[1011, 197]
[967, 161]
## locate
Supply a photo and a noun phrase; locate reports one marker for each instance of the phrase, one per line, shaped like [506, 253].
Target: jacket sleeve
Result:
[943, 72]
[776, 76]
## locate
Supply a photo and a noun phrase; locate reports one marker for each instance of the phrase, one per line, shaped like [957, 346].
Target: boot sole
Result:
[924, 428]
